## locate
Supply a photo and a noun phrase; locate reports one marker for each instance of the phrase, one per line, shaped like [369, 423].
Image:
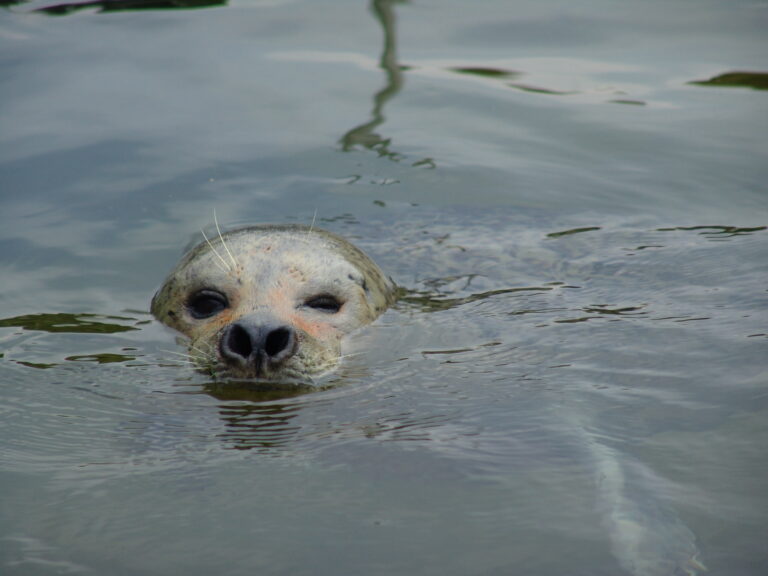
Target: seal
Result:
[271, 302]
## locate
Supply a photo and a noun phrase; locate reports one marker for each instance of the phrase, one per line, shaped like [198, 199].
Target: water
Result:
[574, 381]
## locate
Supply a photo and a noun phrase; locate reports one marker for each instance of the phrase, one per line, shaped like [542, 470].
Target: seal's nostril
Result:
[238, 341]
[278, 341]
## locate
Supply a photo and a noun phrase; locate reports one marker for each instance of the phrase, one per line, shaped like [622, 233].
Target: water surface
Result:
[571, 198]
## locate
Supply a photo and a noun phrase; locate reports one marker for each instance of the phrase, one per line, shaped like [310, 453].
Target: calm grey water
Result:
[573, 198]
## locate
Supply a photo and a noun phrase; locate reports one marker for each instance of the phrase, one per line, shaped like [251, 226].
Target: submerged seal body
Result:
[271, 302]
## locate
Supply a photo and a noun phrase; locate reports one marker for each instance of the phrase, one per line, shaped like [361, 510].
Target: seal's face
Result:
[271, 302]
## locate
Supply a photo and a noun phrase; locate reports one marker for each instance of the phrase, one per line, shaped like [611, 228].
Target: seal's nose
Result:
[246, 343]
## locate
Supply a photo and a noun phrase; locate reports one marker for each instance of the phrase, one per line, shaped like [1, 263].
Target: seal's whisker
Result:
[203, 353]
[225, 268]
[350, 355]
[185, 360]
[174, 352]
[312, 225]
[191, 359]
[176, 361]
[231, 257]
[207, 345]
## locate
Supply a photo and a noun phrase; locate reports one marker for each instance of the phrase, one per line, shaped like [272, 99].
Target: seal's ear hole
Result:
[324, 303]
[206, 303]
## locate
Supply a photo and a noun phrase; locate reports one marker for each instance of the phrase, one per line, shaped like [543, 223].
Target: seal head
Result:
[271, 302]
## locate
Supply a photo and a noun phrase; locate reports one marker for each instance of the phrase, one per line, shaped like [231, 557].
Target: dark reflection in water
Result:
[430, 301]
[572, 231]
[253, 418]
[540, 90]
[605, 312]
[364, 135]
[716, 232]
[485, 72]
[103, 358]
[618, 311]
[627, 102]
[65, 8]
[258, 426]
[754, 80]
[256, 391]
[39, 365]
[505, 75]
[75, 323]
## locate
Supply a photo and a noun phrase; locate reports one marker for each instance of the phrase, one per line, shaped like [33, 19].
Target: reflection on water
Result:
[64, 8]
[433, 301]
[105, 358]
[485, 72]
[717, 232]
[256, 391]
[572, 231]
[364, 135]
[259, 425]
[754, 80]
[70, 323]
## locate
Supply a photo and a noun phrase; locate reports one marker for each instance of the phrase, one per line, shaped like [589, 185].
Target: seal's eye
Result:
[206, 303]
[324, 303]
